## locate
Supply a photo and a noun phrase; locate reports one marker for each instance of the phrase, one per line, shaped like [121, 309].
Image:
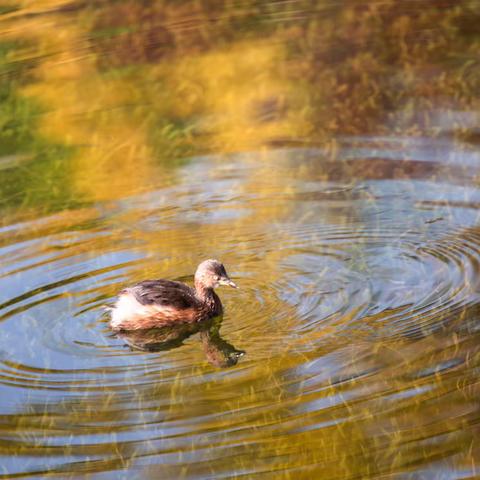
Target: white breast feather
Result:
[128, 308]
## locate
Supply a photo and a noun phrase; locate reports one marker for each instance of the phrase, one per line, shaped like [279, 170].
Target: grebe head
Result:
[211, 274]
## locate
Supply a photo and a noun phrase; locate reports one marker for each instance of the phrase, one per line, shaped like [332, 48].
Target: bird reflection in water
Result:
[218, 351]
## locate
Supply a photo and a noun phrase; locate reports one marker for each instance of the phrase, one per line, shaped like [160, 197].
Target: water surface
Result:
[326, 153]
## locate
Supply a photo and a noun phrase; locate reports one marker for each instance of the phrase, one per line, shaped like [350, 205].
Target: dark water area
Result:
[326, 152]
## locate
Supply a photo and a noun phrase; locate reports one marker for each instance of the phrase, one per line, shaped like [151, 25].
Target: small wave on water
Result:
[354, 328]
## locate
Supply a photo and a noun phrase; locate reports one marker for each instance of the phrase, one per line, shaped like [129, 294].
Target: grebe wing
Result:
[165, 293]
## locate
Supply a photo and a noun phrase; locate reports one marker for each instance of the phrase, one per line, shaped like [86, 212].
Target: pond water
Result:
[326, 153]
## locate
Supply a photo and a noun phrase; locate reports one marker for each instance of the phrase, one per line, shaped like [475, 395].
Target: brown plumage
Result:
[159, 303]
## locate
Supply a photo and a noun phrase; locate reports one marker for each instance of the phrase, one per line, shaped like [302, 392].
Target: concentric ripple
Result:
[355, 323]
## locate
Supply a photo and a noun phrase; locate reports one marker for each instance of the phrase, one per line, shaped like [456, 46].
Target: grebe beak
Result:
[227, 281]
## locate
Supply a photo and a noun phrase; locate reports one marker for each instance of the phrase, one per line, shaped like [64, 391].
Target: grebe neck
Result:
[206, 295]
[209, 299]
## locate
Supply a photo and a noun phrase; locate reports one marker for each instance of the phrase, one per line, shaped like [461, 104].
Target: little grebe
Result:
[158, 303]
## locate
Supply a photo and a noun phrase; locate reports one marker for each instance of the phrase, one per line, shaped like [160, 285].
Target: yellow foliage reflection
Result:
[241, 93]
